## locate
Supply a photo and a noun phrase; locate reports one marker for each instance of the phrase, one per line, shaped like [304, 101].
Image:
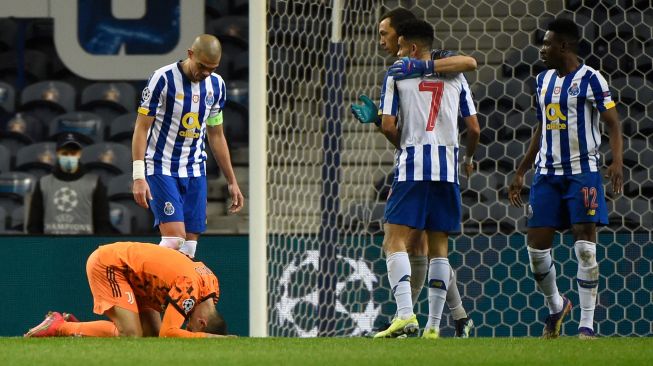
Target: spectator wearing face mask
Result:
[69, 201]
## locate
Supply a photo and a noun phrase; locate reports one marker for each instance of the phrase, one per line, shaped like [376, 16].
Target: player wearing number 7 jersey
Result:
[425, 193]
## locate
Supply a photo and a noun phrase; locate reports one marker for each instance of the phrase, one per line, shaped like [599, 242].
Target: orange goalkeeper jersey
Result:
[160, 276]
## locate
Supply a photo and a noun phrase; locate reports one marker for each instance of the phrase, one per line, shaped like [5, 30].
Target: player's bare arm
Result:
[454, 64]
[615, 170]
[473, 136]
[220, 151]
[514, 192]
[390, 131]
[140, 189]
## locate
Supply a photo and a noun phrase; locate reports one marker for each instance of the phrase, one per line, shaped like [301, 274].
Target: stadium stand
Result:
[37, 159]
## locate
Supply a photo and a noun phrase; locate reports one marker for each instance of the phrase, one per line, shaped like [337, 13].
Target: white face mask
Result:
[68, 164]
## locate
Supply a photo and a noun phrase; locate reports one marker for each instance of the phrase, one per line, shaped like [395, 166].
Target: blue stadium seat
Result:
[38, 159]
[5, 159]
[88, 126]
[107, 160]
[120, 191]
[233, 28]
[109, 100]
[46, 100]
[121, 128]
[14, 186]
[4, 220]
[236, 124]
[17, 222]
[7, 98]
[121, 218]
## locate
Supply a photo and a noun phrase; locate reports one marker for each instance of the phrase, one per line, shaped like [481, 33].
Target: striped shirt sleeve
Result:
[600, 96]
[151, 95]
[220, 96]
[389, 97]
[467, 107]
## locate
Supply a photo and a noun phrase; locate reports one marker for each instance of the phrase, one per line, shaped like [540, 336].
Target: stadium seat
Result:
[107, 160]
[523, 63]
[238, 91]
[5, 159]
[13, 188]
[88, 126]
[121, 218]
[4, 220]
[23, 128]
[120, 191]
[108, 100]
[38, 159]
[7, 98]
[236, 124]
[36, 66]
[7, 34]
[17, 222]
[121, 129]
[55, 94]
[233, 28]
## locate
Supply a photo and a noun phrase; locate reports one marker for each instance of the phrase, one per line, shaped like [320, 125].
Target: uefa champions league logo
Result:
[65, 199]
[363, 315]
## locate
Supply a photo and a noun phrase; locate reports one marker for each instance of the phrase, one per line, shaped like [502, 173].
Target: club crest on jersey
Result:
[196, 98]
[208, 100]
[168, 209]
[573, 90]
[188, 305]
[146, 94]
[556, 90]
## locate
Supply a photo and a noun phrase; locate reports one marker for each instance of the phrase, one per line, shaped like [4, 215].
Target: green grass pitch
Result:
[326, 351]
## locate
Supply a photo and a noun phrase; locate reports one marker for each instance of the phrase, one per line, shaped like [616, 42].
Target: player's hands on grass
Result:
[237, 199]
[141, 191]
[367, 112]
[514, 192]
[407, 68]
[616, 175]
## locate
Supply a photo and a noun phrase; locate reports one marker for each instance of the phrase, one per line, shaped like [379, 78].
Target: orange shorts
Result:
[109, 286]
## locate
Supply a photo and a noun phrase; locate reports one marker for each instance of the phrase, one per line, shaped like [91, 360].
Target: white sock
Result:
[172, 242]
[418, 268]
[544, 272]
[454, 302]
[587, 279]
[188, 248]
[439, 276]
[399, 277]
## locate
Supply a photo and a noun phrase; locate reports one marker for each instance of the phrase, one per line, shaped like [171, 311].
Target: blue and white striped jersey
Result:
[176, 141]
[428, 110]
[568, 110]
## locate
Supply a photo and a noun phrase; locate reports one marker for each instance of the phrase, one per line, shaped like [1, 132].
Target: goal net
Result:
[327, 174]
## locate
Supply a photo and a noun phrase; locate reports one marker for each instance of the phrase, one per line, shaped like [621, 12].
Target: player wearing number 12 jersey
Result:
[425, 193]
[567, 190]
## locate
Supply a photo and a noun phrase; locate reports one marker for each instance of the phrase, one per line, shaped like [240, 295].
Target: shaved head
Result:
[208, 46]
[203, 57]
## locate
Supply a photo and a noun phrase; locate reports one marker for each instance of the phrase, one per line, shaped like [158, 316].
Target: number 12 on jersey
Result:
[437, 88]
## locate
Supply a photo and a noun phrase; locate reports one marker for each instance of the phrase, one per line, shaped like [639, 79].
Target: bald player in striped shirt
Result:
[181, 108]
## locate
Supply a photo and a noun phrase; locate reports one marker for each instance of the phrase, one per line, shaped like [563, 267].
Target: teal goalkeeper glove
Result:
[407, 68]
[366, 112]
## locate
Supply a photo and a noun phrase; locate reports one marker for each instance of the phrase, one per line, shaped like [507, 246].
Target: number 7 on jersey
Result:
[437, 88]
